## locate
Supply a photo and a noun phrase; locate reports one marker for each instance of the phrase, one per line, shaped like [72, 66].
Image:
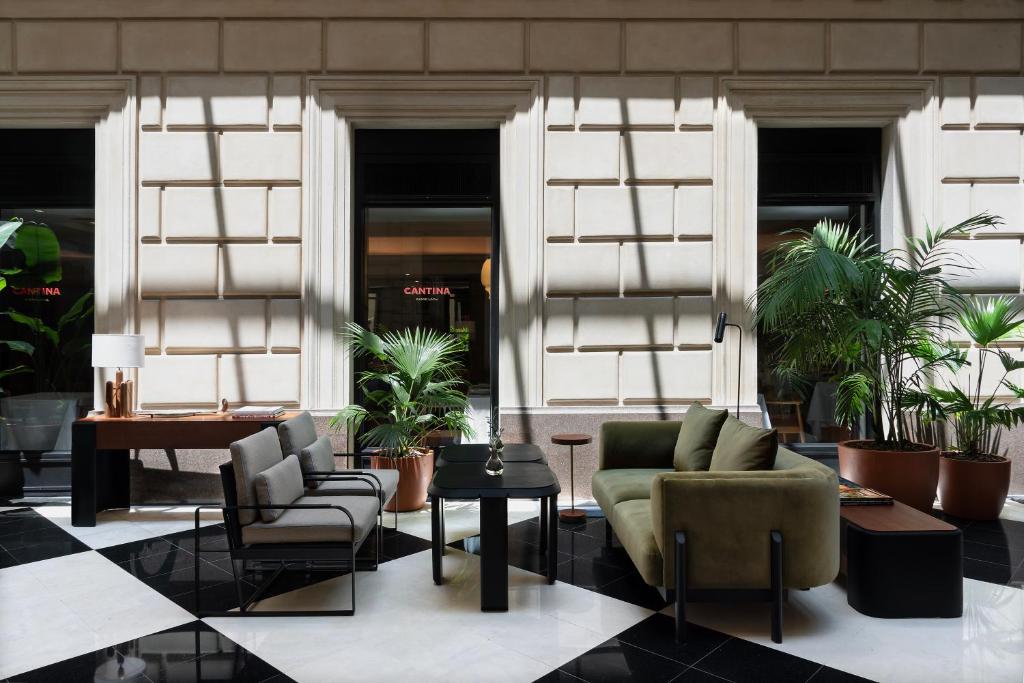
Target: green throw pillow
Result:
[742, 448]
[697, 437]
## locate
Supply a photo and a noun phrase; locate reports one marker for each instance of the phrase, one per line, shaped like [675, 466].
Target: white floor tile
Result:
[68, 606]
[114, 527]
[462, 518]
[986, 644]
[438, 632]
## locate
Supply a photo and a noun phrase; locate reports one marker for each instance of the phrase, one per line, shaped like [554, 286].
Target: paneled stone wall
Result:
[633, 197]
[628, 224]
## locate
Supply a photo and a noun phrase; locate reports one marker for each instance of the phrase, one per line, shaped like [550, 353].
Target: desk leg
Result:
[83, 474]
[436, 539]
[494, 554]
[552, 538]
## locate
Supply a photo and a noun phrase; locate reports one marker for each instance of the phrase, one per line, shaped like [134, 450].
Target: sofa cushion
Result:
[317, 525]
[388, 480]
[742, 448]
[697, 437]
[634, 527]
[280, 484]
[611, 487]
[250, 456]
[636, 444]
[297, 433]
[317, 457]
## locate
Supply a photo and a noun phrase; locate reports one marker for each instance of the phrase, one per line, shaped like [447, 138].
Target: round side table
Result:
[572, 515]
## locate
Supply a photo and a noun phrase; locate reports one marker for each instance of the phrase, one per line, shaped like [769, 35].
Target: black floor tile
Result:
[829, 675]
[190, 653]
[987, 571]
[211, 537]
[741, 661]
[21, 521]
[697, 676]
[588, 572]
[6, 559]
[997, 554]
[558, 676]
[397, 544]
[657, 634]
[41, 544]
[631, 588]
[136, 550]
[616, 662]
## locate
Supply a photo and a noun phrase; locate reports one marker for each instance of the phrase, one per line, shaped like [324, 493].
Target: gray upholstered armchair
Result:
[271, 519]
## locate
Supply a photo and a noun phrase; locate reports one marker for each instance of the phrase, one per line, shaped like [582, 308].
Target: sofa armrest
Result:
[727, 518]
[636, 444]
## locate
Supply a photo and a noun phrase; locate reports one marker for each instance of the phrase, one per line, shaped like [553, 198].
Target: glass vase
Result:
[494, 466]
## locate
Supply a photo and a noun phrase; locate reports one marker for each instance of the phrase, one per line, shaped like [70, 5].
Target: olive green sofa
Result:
[753, 532]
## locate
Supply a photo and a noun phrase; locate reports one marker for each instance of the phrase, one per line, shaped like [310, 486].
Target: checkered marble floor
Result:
[114, 602]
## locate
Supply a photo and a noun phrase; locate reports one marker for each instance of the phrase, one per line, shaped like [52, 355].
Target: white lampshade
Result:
[118, 351]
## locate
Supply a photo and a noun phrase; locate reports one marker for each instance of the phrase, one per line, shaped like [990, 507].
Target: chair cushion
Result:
[697, 437]
[742, 448]
[634, 527]
[250, 456]
[611, 487]
[280, 484]
[317, 457]
[296, 433]
[388, 483]
[319, 525]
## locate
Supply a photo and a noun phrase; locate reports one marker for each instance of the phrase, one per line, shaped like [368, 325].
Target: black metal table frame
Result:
[494, 545]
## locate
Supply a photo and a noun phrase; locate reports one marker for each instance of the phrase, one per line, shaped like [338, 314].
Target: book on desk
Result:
[257, 412]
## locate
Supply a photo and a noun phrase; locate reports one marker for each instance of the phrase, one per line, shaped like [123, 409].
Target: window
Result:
[46, 308]
[804, 176]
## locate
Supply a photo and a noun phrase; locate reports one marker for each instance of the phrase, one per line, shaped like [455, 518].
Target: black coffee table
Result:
[467, 480]
[478, 452]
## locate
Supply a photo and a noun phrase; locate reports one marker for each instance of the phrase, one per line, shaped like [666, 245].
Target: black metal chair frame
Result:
[775, 594]
[681, 594]
[309, 554]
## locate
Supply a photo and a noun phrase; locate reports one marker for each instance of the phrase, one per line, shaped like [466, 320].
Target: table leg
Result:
[543, 525]
[83, 474]
[552, 538]
[436, 540]
[494, 554]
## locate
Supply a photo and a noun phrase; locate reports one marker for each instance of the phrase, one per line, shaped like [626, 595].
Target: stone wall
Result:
[633, 190]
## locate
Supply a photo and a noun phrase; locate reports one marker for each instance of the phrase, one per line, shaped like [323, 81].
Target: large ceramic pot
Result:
[973, 489]
[910, 477]
[414, 474]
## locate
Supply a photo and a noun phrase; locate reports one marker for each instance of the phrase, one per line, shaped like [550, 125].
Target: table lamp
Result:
[118, 351]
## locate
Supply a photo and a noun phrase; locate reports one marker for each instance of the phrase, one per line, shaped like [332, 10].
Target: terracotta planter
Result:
[972, 489]
[414, 474]
[910, 477]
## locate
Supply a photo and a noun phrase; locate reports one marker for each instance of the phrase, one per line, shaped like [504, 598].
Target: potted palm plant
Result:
[876, 321]
[974, 475]
[411, 389]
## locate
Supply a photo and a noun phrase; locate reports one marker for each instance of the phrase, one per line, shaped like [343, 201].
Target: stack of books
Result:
[852, 493]
[257, 413]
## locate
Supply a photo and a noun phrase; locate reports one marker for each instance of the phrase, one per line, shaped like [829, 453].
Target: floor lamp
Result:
[719, 336]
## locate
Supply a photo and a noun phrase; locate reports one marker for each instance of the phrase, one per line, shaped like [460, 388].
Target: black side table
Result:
[572, 515]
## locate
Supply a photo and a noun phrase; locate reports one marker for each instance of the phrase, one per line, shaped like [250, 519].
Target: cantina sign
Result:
[427, 291]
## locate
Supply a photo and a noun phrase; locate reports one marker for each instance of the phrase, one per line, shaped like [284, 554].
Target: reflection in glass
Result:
[430, 267]
[46, 307]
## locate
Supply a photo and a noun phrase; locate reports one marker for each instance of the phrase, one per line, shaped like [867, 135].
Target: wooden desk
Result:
[100, 448]
[900, 562]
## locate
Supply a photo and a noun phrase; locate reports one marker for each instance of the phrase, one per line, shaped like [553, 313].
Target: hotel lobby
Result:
[516, 340]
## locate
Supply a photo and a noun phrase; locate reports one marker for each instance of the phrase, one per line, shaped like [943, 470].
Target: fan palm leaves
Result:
[410, 389]
[971, 406]
[875, 320]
